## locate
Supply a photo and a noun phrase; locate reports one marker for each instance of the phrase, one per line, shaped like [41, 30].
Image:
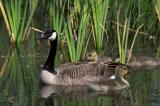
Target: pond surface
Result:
[20, 83]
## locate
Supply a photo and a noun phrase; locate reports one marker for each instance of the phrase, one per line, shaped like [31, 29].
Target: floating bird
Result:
[71, 73]
[111, 85]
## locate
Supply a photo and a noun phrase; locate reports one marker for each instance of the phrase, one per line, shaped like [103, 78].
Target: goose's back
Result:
[80, 70]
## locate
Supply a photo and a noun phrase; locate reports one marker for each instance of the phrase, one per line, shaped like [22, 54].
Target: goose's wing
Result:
[79, 70]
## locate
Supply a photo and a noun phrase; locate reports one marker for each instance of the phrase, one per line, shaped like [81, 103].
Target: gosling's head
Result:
[121, 70]
[92, 56]
[51, 35]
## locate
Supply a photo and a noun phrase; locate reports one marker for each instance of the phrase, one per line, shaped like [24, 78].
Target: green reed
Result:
[122, 34]
[76, 45]
[57, 14]
[157, 7]
[99, 10]
[18, 15]
[123, 40]
[77, 29]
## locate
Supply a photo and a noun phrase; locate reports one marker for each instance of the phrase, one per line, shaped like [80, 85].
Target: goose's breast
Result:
[48, 77]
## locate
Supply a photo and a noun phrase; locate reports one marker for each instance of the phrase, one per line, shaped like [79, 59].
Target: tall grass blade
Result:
[133, 42]
[5, 17]
[99, 10]
[122, 39]
[77, 31]
[58, 18]
[157, 7]
[18, 19]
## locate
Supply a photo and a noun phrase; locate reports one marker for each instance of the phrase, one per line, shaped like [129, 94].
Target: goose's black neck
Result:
[49, 65]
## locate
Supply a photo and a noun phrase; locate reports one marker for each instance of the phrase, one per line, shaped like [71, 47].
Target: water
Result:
[20, 84]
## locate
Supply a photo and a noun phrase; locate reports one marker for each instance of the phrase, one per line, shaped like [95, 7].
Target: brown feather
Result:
[77, 71]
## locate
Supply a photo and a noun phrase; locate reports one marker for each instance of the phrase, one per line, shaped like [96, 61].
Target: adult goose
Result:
[110, 87]
[71, 73]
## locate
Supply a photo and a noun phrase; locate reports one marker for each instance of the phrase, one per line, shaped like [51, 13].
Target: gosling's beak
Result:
[41, 36]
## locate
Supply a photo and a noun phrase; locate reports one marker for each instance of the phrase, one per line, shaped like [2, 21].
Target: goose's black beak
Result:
[41, 36]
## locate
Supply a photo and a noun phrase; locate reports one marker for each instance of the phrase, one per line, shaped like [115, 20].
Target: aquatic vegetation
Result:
[124, 54]
[18, 19]
[132, 45]
[99, 10]
[57, 14]
[123, 40]
[98, 17]
[77, 45]
[129, 29]
[76, 33]
[157, 7]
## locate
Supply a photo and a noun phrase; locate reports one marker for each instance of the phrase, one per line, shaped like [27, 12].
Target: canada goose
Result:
[71, 73]
[92, 57]
[109, 85]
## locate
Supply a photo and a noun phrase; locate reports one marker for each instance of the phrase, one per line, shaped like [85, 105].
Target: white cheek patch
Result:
[53, 37]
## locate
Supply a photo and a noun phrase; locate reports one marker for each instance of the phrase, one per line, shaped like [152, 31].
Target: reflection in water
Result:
[72, 92]
[19, 85]
[81, 95]
[17, 81]
[75, 92]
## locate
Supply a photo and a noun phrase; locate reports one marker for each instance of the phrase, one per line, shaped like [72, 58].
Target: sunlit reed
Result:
[76, 34]
[99, 10]
[18, 19]
[157, 7]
